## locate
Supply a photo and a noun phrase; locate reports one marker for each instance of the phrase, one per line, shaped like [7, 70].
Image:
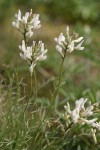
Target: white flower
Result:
[79, 107]
[35, 22]
[18, 19]
[90, 122]
[79, 47]
[60, 40]
[33, 54]
[67, 32]
[70, 47]
[69, 43]
[96, 125]
[26, 23]
[80, 113]
[93, 131]
[60, 50]
[25, 18]
[78, 40]
[27, 51]
[41, 53]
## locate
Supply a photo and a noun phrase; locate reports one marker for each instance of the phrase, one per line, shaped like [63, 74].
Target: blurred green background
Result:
[82, 69]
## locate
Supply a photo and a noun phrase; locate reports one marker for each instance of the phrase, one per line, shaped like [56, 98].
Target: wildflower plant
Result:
[67, 44]
[26, 25]
[74, 128]
[33, 54]
[81, 115]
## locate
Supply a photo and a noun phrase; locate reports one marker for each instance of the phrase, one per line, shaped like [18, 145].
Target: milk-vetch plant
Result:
[31, 54]
[81, 114]
[80, 123]
[74, 123]
[70, 42]
[66, 44]
[26, 25]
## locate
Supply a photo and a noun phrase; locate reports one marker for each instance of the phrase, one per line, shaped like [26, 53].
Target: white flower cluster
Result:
[25, 24]
[81, 115]
[68, 43]
[33, 54]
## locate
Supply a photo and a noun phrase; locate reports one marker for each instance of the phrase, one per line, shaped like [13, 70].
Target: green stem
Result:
[25, 38]
[31, 85]
[24, 34]
[35, 84]
[58, 87]
[59, 80]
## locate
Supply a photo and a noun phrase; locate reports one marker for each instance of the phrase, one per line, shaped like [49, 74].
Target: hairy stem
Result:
[59, 80]
[24, 35]
[35, 84]
[58, 87]
[31, 85]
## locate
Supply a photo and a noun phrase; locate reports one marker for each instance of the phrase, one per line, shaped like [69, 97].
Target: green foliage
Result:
[67, 10]
[72, 10]
[23, 125]
[30, 127]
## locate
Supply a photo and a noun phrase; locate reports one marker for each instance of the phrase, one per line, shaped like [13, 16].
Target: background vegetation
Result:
[81, 70]
[82, 15]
